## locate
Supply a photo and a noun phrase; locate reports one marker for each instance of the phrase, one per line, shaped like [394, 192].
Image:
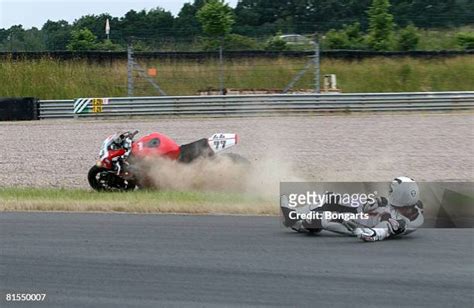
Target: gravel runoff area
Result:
[355, 147]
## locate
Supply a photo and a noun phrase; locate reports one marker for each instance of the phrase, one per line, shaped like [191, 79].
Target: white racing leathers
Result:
[384, 221]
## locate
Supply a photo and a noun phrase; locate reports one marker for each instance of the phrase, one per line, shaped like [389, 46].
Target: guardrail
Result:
[251, 105]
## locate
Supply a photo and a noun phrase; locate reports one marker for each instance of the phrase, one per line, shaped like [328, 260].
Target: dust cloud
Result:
[221, 173]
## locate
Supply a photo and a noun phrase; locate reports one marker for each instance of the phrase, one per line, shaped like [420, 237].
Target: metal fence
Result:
[252, 105]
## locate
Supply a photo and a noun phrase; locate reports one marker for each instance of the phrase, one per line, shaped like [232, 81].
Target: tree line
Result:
[255, 24]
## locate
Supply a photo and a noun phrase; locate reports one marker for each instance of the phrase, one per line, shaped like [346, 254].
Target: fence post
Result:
[317, 72]
[221, 70]
[130, 69]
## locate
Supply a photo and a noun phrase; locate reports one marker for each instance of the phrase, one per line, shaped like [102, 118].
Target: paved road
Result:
[111, 260]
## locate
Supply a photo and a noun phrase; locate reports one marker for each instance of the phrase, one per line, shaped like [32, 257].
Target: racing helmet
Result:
[403, 191]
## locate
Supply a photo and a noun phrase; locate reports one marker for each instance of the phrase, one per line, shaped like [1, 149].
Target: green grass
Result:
[405, 75]
[441, 39]
[54, 79]
[46, 199]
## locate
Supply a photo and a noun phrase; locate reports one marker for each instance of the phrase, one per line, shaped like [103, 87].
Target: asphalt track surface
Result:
[122, 260]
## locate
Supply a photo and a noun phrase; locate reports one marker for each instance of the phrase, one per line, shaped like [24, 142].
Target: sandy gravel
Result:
[368, 147]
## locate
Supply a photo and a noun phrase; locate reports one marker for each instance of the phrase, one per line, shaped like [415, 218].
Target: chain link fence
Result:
[217, 74]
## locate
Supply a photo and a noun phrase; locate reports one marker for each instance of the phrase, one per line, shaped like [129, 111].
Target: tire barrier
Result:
[19, 109]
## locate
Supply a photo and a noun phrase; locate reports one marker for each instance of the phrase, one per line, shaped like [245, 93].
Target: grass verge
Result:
[81, 200]
[54, 79]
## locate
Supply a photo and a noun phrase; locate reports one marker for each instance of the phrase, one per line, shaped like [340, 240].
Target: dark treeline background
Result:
[254, 19]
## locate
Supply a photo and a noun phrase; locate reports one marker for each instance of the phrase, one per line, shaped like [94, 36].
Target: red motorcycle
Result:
[116, 168]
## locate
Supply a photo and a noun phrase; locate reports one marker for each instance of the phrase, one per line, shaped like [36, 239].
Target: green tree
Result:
[160, 22]
[216, 18]
[82, 40]
[433, 13]
[230, 42]
[14, 40]
[95, 24]
[349, 37]
[57, 34]
[108, 45]
[34, 40]
[264, 17]
[336, 39]
[18, 39]
[133, 23]
[408, 38]
[276, 44]
[151, 27]
[380, 36]
[186, 23]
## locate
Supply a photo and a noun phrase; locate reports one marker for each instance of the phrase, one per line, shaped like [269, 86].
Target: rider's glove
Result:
[396, 227]
[370, 235]
[392, 227]
[371, 206]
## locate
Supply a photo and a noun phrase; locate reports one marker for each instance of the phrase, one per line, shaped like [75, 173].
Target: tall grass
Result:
[441, 39]
[56, 79]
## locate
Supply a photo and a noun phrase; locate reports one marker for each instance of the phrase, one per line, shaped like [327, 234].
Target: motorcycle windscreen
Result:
[155, 144]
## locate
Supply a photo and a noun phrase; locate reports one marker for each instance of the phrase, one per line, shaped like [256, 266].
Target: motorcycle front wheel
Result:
[101, 179]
